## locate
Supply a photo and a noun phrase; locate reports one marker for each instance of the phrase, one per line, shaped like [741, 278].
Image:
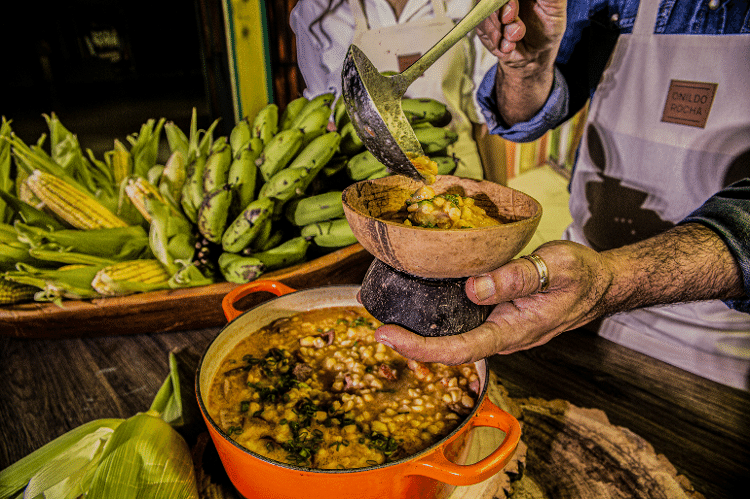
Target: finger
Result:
[509, 12]
[471, 346]
[515, 279]
[514, 31]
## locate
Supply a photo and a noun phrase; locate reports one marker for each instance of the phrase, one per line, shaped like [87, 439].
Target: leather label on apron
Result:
[688, 103]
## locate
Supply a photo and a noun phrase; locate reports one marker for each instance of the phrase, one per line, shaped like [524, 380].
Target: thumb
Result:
[515, 279]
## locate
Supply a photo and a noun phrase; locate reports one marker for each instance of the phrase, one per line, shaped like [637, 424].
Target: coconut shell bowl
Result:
[417, 277]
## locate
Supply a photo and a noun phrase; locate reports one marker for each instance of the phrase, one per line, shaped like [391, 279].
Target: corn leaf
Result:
[68, 476]
[6, 182]
[28, 214]
[64, 257]
[176, 138]
[115, 244]
[145, 458]
[15, 477]
[145, 146]
[55, 284]
[170, 235]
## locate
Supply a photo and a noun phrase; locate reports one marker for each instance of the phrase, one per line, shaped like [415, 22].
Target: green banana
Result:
[285, 185]
[291, 111]
[248, 224]
[351, 144]
[315, 124]
[340, 116]
[318, 208]
[279, 151]
[446, 164]
[379, 174]
[362, 166]
[287, 253]
[192, 190]
[266, 123]
[315, 155]
[240, 135]
[335, 165]
[243, 173]
[296, 178]
[217, 166]
[276, 238]
[330, 234]
[317, 102]
[434, 139]
[423, 110]
[261, 240]
[213, 212]
[240, 269]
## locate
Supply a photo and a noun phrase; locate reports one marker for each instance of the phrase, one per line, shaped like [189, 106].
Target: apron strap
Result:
[645, 19]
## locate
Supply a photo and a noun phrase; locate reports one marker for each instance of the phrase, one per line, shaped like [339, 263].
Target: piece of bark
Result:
[576, 453]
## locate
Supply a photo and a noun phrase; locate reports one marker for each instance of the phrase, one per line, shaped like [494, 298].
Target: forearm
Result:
[521, 91]
[688, 263]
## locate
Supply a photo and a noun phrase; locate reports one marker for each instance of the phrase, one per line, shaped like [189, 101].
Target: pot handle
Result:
[437, 466]
[238, 293]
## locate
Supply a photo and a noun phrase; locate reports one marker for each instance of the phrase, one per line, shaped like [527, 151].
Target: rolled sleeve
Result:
[553, 112]
[728, 214]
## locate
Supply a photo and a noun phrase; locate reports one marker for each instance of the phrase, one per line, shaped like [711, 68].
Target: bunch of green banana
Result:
[233, 206]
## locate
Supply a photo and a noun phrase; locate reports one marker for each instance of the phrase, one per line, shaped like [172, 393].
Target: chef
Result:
[393, 34]
[660, 195]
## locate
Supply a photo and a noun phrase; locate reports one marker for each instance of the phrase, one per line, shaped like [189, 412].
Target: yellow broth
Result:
[316, 390]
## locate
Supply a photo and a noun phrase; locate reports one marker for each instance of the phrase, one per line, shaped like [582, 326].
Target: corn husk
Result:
[140, 457]
[38, 467]
[146, 459]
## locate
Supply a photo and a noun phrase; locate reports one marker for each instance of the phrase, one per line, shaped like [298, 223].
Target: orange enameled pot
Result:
[432, 473]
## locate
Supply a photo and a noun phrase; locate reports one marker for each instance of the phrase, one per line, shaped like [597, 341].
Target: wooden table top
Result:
[703, 428]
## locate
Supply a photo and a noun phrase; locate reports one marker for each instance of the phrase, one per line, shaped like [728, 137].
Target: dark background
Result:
[107, 66]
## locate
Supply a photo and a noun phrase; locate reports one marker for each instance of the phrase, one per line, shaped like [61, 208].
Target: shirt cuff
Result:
[551, 115]
[728, 214]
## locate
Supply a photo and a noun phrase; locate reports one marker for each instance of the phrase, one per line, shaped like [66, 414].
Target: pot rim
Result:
[204, 410]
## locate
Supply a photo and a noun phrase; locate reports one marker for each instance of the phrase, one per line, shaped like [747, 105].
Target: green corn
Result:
[70, 204]
[12, 292]
[132, 276]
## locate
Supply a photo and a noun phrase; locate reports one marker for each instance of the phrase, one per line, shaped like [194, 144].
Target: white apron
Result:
[665, 128]
[394, 48]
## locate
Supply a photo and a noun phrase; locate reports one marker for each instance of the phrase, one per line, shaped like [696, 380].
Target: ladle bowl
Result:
[373, 100]
[372, 210]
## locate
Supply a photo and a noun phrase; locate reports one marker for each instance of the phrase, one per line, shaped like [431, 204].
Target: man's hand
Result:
[687, 263]
[516, 33]
[525, 39]
[523, 318]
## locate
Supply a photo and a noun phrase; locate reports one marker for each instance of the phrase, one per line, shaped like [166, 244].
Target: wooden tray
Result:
[170, 310]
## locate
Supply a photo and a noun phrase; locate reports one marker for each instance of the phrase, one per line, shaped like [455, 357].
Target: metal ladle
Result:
[373, 100]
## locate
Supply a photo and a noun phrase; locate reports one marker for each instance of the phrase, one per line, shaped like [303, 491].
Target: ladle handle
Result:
[481, 11]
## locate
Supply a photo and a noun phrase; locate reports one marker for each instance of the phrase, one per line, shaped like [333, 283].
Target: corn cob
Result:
[12, 292]
[131, 276]
[70, 204]
[138, 190]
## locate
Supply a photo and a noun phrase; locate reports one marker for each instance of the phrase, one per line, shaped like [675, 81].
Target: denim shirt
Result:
[590, 36]
[593, 27]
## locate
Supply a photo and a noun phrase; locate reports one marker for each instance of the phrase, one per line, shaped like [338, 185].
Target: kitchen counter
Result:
[703, 428]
